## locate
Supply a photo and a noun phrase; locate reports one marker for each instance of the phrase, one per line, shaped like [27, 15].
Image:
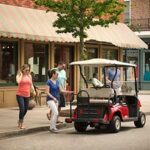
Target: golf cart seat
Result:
[92, 95]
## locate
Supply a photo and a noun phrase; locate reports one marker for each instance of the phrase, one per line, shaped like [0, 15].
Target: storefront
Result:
[142, 59]
[144, 69]
[33, 40]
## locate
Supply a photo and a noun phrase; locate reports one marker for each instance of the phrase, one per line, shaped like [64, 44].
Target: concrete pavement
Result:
[36, 119]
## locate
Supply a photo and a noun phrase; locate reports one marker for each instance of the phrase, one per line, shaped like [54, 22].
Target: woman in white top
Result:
[95, 81]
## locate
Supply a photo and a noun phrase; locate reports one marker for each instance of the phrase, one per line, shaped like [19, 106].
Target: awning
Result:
[101, 62]
[119, 35]
[33, 24]
[30, 24]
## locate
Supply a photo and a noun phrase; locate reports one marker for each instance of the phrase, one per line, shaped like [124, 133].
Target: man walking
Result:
[62, 80]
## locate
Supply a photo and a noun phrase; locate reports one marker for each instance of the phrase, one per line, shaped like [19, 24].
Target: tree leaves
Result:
[76, 16]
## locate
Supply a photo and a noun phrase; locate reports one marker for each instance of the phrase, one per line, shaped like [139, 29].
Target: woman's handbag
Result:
[32, 102]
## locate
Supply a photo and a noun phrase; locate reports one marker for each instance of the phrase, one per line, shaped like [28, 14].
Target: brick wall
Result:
[31, 4]
[140, 9]
[21, 3]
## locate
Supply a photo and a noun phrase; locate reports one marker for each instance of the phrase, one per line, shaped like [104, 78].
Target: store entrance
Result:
[66, 55]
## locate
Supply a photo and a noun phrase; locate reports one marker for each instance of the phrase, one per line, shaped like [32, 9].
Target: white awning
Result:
[33, 24]
[30, 24]
[101, 62]
[119, 35]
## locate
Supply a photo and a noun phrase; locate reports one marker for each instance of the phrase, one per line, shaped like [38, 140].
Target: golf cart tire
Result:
[115, 124]
[141, 120]
[80, 126]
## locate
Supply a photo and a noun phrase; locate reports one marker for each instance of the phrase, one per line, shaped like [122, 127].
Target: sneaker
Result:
[54, 130]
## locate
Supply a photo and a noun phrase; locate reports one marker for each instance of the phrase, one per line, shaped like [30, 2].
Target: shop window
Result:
[110, 53]
[127, 12]
[8, 62]
[37, 56]
[88, 71]
[147, 66]
[64, 54]
[132, 57]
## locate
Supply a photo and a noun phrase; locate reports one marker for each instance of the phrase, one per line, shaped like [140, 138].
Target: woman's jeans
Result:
[23, 103]
[54, 108]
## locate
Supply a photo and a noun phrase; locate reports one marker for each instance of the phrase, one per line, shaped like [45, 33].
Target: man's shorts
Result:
[62, 101]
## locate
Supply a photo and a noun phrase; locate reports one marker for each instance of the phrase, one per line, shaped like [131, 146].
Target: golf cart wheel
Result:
[141, 120]
[115, 124]
[80, 126]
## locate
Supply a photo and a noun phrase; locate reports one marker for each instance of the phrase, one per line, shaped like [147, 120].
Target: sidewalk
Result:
[36, 119]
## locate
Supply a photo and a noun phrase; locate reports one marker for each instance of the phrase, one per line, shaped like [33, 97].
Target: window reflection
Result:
[108, 53]
[88, 71]
[37, 56]
[147, 66]
[8, 62]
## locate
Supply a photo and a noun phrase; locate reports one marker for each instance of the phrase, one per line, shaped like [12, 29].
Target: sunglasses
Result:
[26, 70]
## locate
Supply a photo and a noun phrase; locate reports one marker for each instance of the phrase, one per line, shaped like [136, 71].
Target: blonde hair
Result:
[24, 67]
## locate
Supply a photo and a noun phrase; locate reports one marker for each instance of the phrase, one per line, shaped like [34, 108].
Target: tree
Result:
[76, 16]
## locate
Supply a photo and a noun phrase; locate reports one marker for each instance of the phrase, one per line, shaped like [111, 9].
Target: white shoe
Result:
[54, 130]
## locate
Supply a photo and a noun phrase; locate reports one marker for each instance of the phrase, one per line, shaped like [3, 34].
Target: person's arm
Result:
[108, 81]
[65, 91]
[49, 94]
[19, 77]
[65, 79]
[32, 86]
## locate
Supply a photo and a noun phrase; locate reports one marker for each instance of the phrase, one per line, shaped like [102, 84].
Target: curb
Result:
[11, 134]
[144, 93]
[22, 132]
[147, 113]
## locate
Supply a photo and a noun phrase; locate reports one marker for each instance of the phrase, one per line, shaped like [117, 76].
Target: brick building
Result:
[21, 3]
[138, 18]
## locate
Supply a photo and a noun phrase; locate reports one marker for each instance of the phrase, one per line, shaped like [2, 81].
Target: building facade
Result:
[137, 16]
[27, 36]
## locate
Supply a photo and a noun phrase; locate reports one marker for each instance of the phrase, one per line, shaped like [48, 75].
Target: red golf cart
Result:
[98, 106]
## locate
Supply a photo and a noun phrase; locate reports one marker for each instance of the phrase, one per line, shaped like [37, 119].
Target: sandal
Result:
[22, 127]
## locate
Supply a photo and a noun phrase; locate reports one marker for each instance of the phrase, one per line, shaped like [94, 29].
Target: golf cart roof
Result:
[101, 62]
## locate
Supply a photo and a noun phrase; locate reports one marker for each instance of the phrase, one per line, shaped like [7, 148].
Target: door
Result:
[65, 54]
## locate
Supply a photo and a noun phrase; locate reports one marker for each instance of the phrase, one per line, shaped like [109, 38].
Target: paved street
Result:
[129, 138]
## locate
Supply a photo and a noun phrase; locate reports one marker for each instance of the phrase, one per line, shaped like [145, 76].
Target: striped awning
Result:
[33, 24]
[30, 24]
[119, 35]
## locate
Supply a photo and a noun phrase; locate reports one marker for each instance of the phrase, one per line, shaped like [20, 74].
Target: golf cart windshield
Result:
[118, 75]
